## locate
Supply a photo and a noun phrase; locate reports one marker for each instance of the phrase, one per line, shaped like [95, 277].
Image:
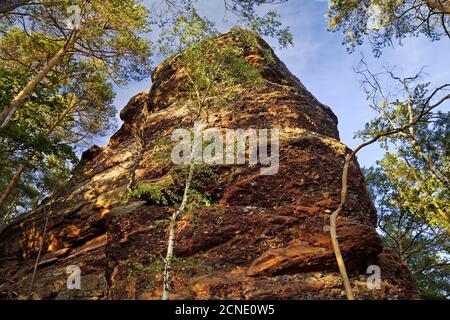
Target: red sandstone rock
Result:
[265, 237]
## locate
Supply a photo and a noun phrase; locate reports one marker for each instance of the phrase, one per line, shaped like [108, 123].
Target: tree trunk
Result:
[15, 179]
[333, 230]
[13, 182]
[173, 220]
[41, 247]
[9, 5]
[18, 100]
[172, 229]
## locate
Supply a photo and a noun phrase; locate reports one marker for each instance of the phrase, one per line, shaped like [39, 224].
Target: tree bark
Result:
[15, 179]
[173, 220]
[18, 101]
[333, 232]
[172, 229]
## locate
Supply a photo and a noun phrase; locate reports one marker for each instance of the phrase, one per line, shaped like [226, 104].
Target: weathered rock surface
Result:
[264, 237]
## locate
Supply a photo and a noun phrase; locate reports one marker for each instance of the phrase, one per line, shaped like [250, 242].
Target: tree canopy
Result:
[382, 22]
[423, 247]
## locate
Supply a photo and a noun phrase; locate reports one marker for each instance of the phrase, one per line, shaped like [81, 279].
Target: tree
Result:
[381, 22]
[420, 163]
[209, 84]
[420, 110]
[408, 121]
[423, 248]
[108, 42]
[410, 184]
[78, 63]
[109, 37]
[267, 25]
[48, 117]
[26, 136]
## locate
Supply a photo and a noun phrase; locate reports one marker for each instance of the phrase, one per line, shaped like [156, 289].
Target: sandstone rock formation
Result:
[263, 237]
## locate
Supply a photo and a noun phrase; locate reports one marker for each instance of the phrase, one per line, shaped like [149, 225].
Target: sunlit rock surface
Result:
[263, 237]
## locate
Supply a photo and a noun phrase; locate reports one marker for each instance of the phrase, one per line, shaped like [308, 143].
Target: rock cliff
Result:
[260, 237]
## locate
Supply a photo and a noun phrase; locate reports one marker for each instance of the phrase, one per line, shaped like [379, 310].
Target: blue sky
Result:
[320, 61]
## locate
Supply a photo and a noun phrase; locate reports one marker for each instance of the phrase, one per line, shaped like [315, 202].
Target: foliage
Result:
[410, 184]
[417, 161]
[423, 247]
[381, 22]
[150, 271]
[111, 47]
[218, 82]
[37, 130]
[267, 25]
[244, 14]
[204, 177]
[154, 194]
[170, 190]
[110, 38]
[50, 167]
[90, 87]
[108, 49]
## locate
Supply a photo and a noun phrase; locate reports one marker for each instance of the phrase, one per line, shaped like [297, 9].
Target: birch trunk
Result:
[18, 101]
[172, 229]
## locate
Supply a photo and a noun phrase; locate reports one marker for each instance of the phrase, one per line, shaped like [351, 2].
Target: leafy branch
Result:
[425, 110]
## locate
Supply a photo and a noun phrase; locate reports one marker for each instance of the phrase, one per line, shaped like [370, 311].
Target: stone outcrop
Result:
[262, 237]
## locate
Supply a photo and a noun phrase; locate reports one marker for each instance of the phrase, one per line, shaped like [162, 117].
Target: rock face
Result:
[262, 237]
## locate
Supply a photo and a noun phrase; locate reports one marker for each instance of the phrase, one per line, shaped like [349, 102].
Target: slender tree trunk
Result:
[9, 5]
[15, 179]
[173, 220]
[333, 233]
[172, 230]
[18, 101]
[399, 237]
[139, 136]
[41, 247]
